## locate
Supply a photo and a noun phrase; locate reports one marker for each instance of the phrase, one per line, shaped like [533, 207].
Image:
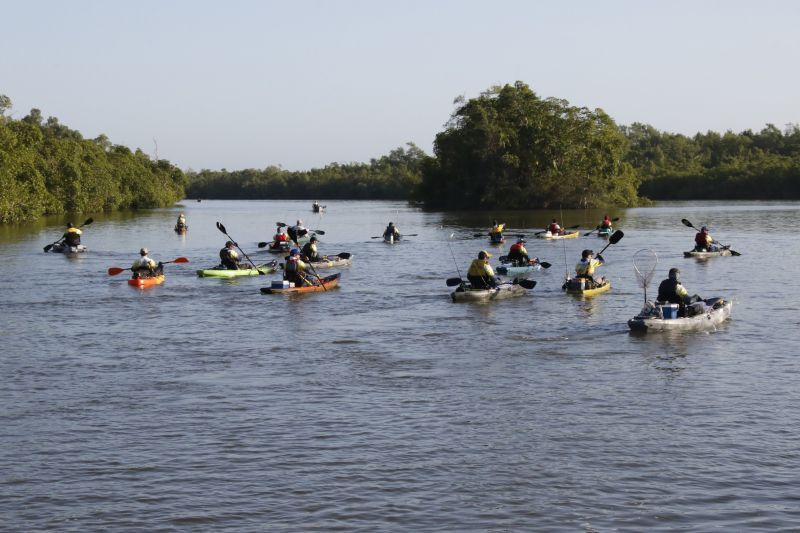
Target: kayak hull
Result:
[517, 271]
[568, 235]
[604, 233]
[704, 255]
[391, 240]
[703, 322]
[334, 261]
[503, 291]
[242, 272]
[328, 283]
[64, 249]
[282, 248]
[605, 287]
[143, 283]
[181, 229]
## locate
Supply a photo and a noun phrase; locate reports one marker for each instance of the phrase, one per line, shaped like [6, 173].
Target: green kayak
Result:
[221, 272]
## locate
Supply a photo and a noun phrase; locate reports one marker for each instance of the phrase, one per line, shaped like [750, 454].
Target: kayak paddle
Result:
[598, 227]
[85, 223]
[222, 229]
[113, 271]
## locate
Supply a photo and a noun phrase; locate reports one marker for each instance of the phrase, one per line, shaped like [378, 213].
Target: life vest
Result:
[310, 251]
[143, 263]
[497, 230]
[280, 237]
[670, 290]
[517, 249]
[228, 255]
[587, 268]
[606, 223]
[554, 228]
[72, 236]
[480, 268]
[703, 240]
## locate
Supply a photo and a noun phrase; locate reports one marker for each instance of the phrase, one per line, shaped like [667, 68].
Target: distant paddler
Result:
[703, 242]
[392, 233]
[496, 233]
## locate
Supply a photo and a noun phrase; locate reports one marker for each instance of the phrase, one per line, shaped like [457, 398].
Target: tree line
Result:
[747, 165]
[47, 168]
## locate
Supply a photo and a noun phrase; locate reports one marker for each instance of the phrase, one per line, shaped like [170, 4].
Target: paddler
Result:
[279, 237]
[554, 228]
[518, 255]
[586, 266]
[671, 291]
[703, 241]
[392, 232]
[294, 271]
[229, 256]
[310, 250]
[297, 231]
[144, 267]
[72, 237]
[480, 273]
[496, 233]
[605, 225]
[181, 223]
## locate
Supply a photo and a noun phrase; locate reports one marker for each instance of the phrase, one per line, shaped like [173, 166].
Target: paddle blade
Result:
[545, 265]
[454, 282]
[280, 224]
[318, 231]
[616, 237]
[221, 228]
[735, 253]
[87, 221]
[113, 271]
[686, 223]
[615, 219]
[345, 255]
[479, 234]
[263, 244]
[589, 233]
[180, 260]
[526, 283]
[48, 247]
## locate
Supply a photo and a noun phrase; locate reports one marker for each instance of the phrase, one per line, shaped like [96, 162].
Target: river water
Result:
[203, 405]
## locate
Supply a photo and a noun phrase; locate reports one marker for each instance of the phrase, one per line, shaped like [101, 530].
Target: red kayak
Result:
[146, 282]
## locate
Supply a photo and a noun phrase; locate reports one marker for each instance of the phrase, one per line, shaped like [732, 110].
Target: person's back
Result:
[554, 228]
[295, 269]
[517, 254]
[72, 237]
[144, 266]
[391, 231]
[480, 273]
[606, 223]
[671, 291]
[310, 250]
[585, 268]
[229, 257]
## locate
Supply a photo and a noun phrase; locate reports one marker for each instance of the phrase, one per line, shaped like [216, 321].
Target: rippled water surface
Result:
[203, 405]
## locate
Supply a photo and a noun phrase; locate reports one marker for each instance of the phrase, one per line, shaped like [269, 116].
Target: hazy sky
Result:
[247, 84]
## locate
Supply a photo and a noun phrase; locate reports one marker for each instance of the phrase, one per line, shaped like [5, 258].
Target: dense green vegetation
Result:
[47, 168]
[509, 148]
[391, 177]
[763, 165]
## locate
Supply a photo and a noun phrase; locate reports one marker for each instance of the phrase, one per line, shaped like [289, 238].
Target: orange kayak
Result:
[327, 283]
[146, 282]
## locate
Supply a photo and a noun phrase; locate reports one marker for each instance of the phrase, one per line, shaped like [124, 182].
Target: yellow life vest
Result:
[584, 268]
[497, 229]
[480, 267]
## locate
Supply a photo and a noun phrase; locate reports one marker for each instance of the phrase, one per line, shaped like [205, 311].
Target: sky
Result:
[304, 83]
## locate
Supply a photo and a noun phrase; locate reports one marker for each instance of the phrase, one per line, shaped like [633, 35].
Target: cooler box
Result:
[669, 311]
[280, 284]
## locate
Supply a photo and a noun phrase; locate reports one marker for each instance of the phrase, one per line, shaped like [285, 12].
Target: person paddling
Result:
[605, 225]
[229, 257]
[480, 273]
[496, 233]
[703, 241]
[554, 228]
[181, 223]
[294, 271]
[297, 231]
[310, 250]
[144, 267]
[391, 232]
[518, 255]
[585, 268]
[72, 237]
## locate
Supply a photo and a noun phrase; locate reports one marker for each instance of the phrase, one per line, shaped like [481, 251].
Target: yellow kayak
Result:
[578, 288]
[567, 235]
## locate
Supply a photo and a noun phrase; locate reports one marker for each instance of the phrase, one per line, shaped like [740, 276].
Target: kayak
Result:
[465, 293]
[334, 261]
[281, 247]
[605, 233]
[574, 286]
[181, 229]
[568, 235]
[222, 272]
[724, 252]
[329, 282]
[496, 242]
[65, 249]
[715, 311]
[146, 282]
[389, 239]
[517, 271]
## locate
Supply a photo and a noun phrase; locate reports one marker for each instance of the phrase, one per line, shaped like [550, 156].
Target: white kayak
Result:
[723, 252]
[517, 271]
[505, 290]
[711, 313]
[390, 239]
[334, 261]
[66, 249]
